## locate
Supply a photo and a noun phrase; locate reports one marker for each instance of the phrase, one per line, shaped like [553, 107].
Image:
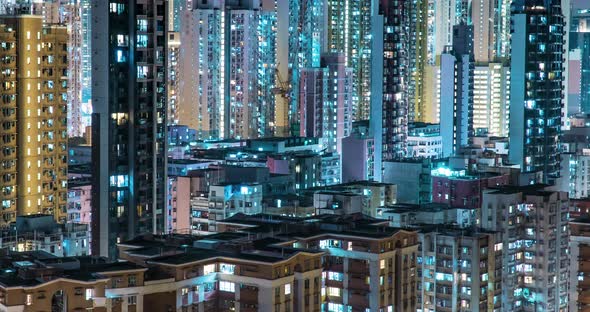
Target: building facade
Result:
[389, 98]
[231, 57]
[459, 270]
[491, 99]
[456, 95]
[129, 121]
[532, 222]
[349, 32]
[34, 82]
[536, 95]
[325, 102]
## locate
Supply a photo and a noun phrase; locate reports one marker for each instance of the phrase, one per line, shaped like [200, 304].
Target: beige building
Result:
[361, 266]
[33, 162]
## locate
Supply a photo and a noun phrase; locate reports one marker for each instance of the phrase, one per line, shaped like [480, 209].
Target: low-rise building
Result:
[228, 199]
[424, 141]
[458, 189]
[412, 177]
[358, 154]
[42, 233]
[79, 201]
[288, 205]
[408, 215]
[322, 263]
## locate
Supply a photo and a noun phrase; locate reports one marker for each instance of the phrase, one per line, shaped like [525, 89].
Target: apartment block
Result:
[34, 83]
[532, 221]
[459, 269]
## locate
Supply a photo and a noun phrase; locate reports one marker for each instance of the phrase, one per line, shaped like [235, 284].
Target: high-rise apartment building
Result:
[232, 68]
[389, 97]
[502, 29]
[307, 40]
[34, 84]
[491, 98]
[172, 69]
[129, 120]
[417, 111]
[349, 32]
[456, 94]
[86, 64]
[325, 97]
[536, 95]
[579, 39]
[448, 13]
[483, 17]
[532, 222]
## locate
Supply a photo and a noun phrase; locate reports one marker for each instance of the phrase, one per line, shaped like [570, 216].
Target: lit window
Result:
[89, 293]
[382, 264]
[208, 269]
[227, 286]
[227, 268]
[335, 276]
[334, 291]
[287, 289]
[29, 300]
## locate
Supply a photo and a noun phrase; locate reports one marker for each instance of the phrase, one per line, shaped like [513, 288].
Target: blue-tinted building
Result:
[233, 59]
[536, 93]
[306, 43]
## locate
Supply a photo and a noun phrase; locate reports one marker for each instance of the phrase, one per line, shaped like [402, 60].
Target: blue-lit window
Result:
[142, 25]
[227, 268]
[335, 276]
[120, 180]
[117, 8]
[142, 41]
[142, 72]
[121, 56]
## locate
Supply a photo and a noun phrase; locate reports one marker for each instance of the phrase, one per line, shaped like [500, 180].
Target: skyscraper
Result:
[389, 102]
[502, 28]
[307, 40]
[326, 101]
[349, 32]
[579, 39]
[456, 94]
[419, 30]
[172, 68]
[232, 68]
[483, 18]
[129, 120]
[33, 84]
[536, 86]
[86, 63]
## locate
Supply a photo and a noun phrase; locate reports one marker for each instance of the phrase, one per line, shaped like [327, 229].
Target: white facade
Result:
[428, 146]
[491, 97]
